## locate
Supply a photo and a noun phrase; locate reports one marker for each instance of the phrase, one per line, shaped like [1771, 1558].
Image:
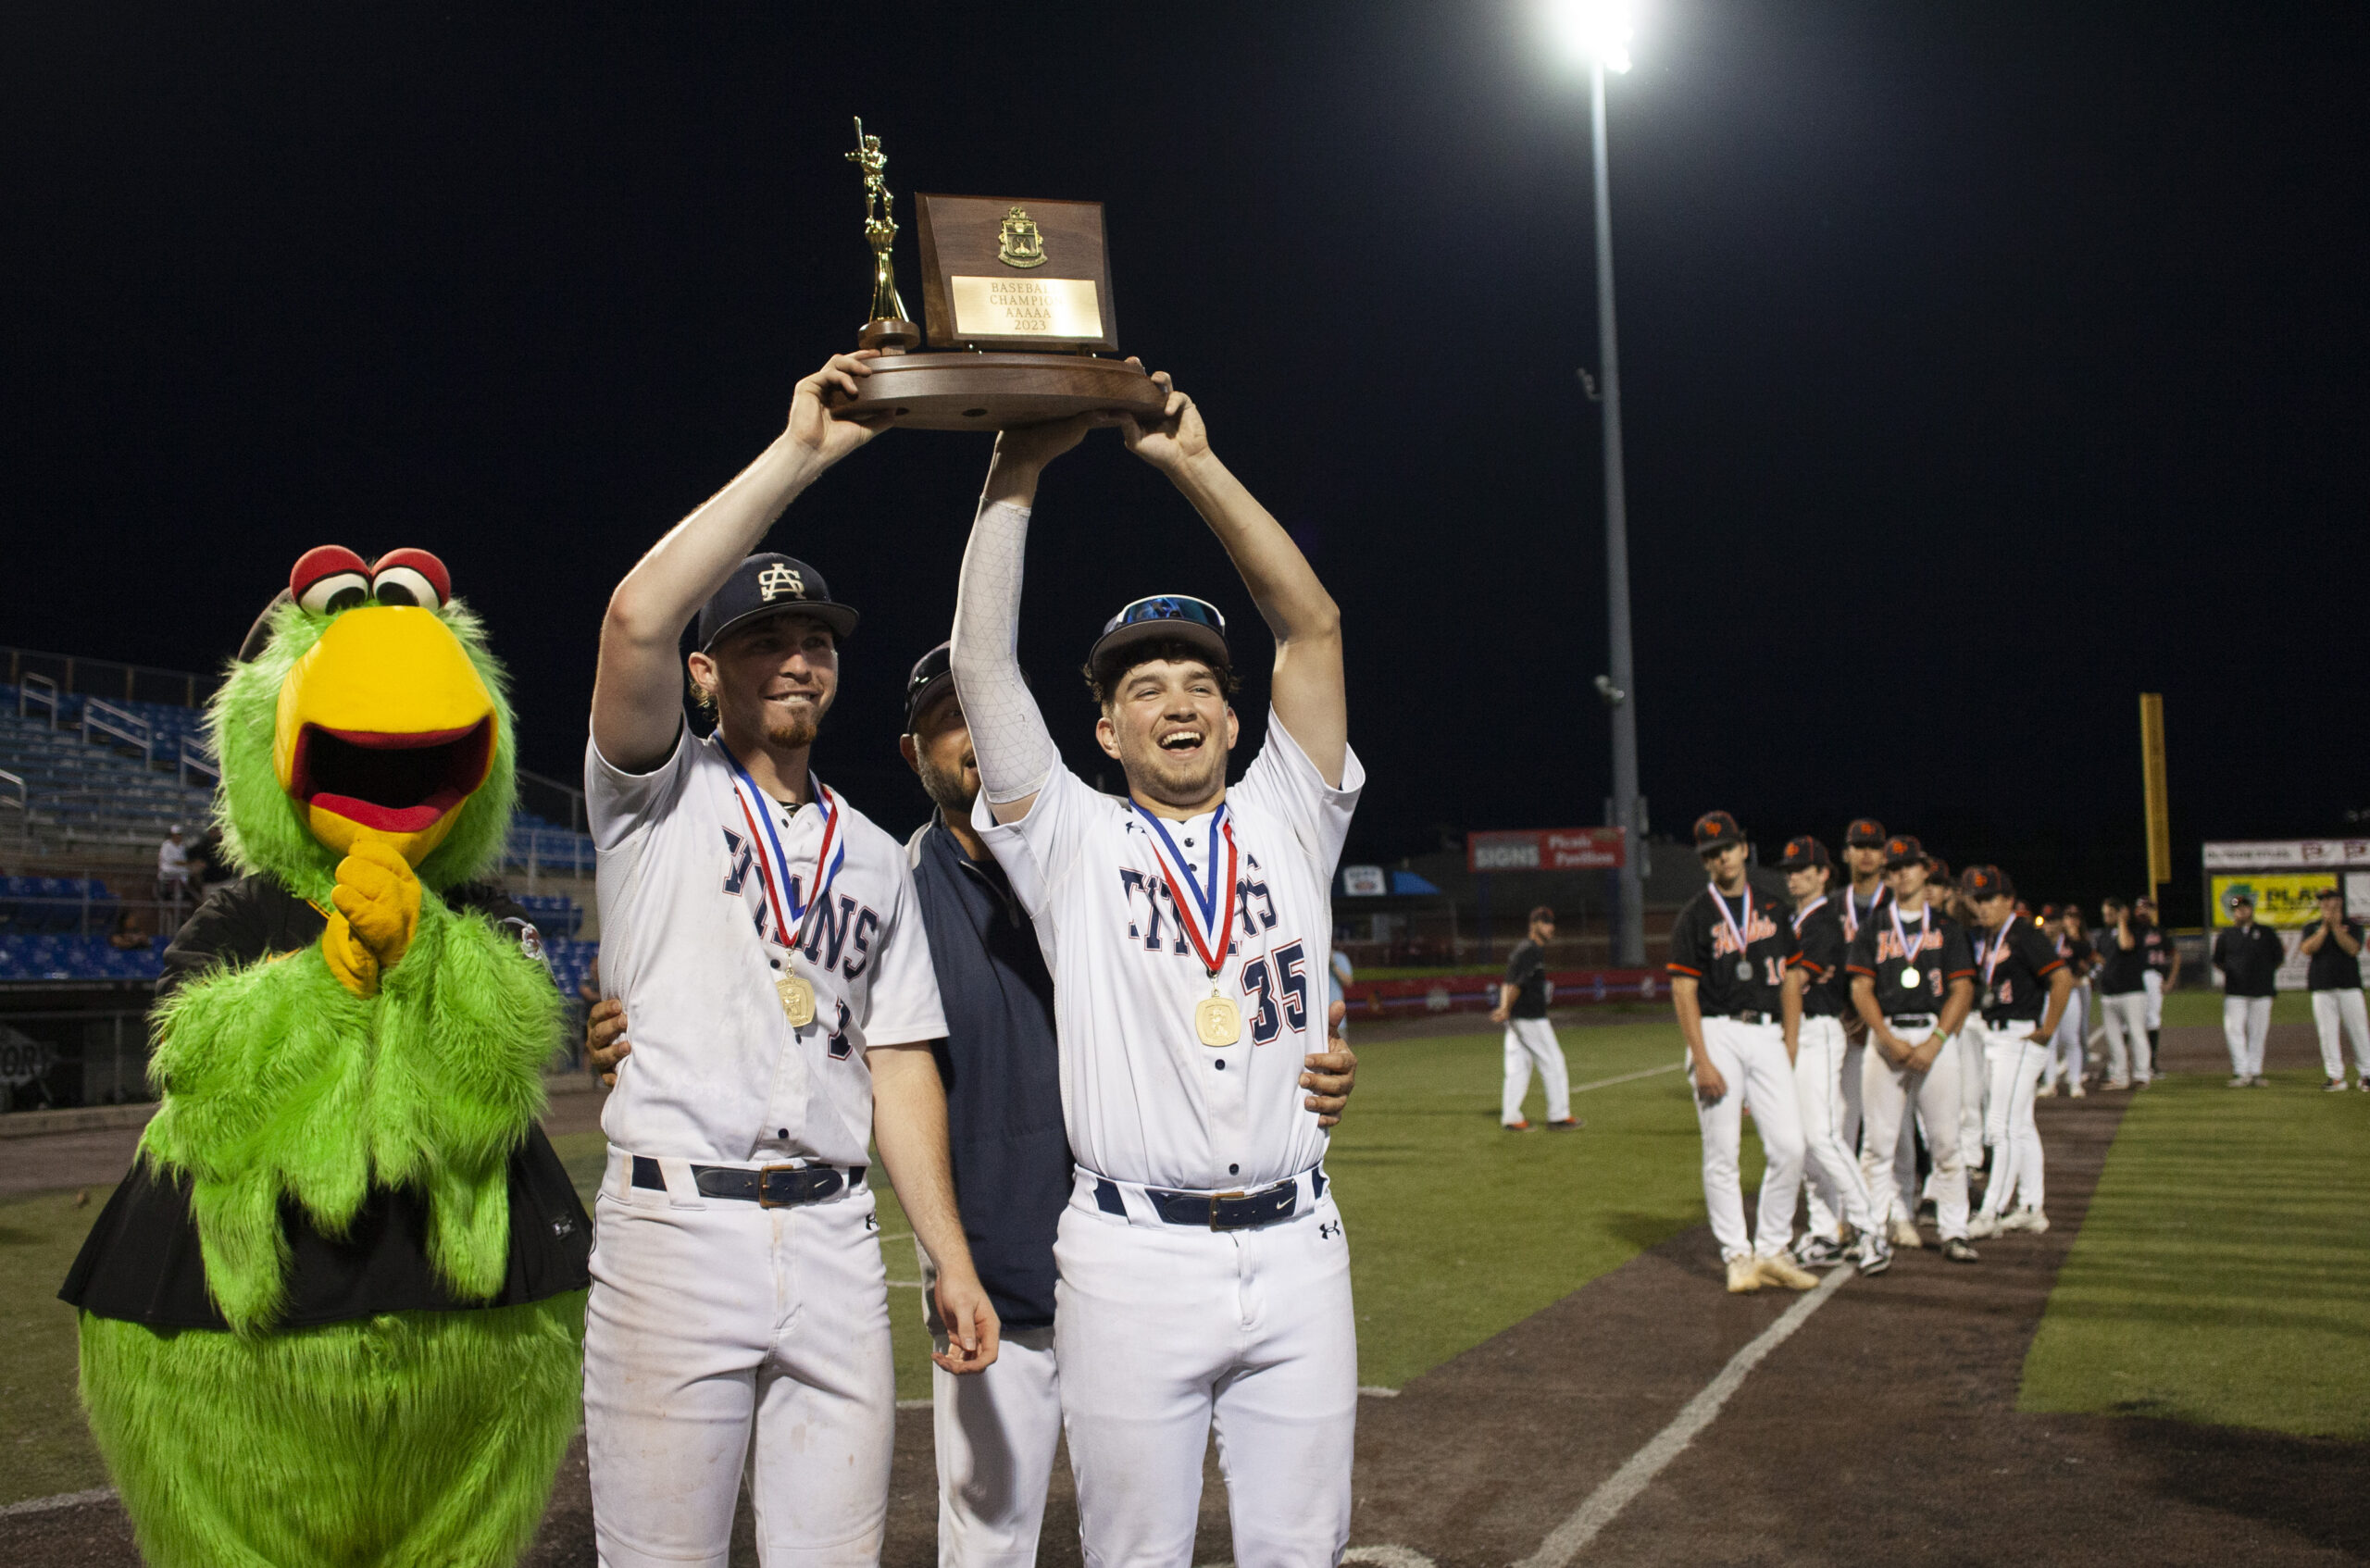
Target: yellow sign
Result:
[2285, 899]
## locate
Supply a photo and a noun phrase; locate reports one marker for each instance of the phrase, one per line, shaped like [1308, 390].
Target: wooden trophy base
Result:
[993, 391]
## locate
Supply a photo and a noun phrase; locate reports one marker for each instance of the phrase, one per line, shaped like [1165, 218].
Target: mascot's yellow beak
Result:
[384, 731]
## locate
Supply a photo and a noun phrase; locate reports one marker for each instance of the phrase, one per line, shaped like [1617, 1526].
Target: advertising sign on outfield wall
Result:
[1545, 849]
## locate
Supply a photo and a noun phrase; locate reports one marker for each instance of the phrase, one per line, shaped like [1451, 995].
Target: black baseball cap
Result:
[1987, 882]
[1902, 849]
[1865, 833]
[1163, 617]
[1716, 830]
[1803, 853]
[2240, 896]
[932, 673]
[770, 585]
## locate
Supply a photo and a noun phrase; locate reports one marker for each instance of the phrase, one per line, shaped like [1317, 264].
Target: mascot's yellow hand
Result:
[377, 914]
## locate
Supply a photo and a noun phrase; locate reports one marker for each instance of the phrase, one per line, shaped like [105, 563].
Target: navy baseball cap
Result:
[1164, 617]
[1716, 830]
[1803, 853]
[1987, 882]
[1902, 849]
[1865, 833]
[772, 585]
[932, 673]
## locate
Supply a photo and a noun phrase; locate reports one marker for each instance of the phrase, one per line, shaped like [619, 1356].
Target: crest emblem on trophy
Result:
[1013, 350]
[1022, 246]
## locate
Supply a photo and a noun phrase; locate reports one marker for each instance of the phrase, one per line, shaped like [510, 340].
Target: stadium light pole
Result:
[1599, 30]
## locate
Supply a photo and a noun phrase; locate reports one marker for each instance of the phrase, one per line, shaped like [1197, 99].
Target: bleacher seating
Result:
[80, 904]
[571, 960]
[556, 916]
[44, 955]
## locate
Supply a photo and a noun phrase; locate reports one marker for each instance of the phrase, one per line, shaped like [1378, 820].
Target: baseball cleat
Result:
[1958, 1252]
[1569, 1123]
[1744, 1276]
[2259, 1081]
[1874, 1256]
[1515, 1126]
[2047, 1091]
[2029, 1219]
[1903, 1233]
[2240, 1081]
[1781, 1271]
[1983, 1227]
[2077, 1092]
[2335, 1086]
[1819, 1251]
[2117, 1083]
[2363, 1084]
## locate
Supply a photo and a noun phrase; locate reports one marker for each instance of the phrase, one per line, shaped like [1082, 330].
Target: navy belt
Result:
[771, 1187]
[1215, 1211]
[1754, 1017]
[1915, 1020]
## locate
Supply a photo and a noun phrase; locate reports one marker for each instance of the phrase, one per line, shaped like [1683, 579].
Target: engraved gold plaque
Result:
[1217, 1022]
[797, 995]
[1026, 307]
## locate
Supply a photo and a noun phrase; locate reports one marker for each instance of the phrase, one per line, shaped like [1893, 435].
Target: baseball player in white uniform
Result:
[762, 934]
[1530, 1037]
[1836, 1191]
[1863, 857]
[1202, 1269]
[2026, 983]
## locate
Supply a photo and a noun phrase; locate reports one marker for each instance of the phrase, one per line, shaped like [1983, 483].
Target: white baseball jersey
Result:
[1144, 1099]
[693, 936]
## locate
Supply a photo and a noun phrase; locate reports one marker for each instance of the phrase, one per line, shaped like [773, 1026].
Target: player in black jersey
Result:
[1857, 903]
[1835, 1195]
[2025, 986]
[1739, 995]
[1913, 981]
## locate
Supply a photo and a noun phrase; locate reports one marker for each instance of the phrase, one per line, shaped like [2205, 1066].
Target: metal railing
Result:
[129, 728]
[196, 757]
[107, 677]
[566, 795]
[38, 688]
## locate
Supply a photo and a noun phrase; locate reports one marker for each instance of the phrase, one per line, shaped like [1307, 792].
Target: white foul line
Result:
[1628, 1077]
[63, 1499]
[1565, 1541]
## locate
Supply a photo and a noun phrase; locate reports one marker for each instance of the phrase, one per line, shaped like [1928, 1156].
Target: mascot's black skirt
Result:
[142, 1261]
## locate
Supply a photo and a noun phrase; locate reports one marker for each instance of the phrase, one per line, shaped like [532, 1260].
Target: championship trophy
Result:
[1000, 277]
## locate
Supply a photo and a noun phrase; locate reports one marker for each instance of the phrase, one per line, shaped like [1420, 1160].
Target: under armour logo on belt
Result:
[779, 579]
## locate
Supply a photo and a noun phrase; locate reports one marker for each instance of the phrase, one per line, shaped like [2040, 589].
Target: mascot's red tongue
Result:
[390, 783]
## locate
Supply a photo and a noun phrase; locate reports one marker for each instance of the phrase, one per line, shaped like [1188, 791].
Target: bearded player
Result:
[1202, 1270]
[763, 936]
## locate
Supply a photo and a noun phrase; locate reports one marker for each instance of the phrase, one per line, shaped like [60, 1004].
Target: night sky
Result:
[1984, 364]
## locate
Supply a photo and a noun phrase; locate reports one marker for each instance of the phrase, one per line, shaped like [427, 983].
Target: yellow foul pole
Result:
[2151, 767]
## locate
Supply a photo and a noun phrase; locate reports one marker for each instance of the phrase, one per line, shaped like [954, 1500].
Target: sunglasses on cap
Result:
[1168, 608]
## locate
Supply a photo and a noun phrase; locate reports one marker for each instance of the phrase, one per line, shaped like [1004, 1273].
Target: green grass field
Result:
[2223, 1275]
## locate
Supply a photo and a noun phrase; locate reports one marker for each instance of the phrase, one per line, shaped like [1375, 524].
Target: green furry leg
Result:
[410, 1440]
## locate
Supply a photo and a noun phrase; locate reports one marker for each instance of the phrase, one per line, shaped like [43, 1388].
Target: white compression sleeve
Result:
[1014, 750]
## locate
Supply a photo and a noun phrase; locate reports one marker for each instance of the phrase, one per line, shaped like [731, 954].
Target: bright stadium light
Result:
[1596, 30]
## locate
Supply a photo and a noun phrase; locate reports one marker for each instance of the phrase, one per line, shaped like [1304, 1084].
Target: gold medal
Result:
[1909, 980]
[1217, 1022]
[797, 995]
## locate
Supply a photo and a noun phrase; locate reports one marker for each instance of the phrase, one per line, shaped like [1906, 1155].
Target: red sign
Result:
[1545, 849]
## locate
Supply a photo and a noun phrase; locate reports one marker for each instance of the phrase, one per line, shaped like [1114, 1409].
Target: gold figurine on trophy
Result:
[1018, 295]
[887, 329]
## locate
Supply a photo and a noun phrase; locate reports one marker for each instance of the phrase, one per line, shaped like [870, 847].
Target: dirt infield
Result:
[1884, 1430]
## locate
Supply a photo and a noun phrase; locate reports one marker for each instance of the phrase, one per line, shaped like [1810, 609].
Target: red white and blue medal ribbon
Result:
[1204, 907]
[1744, 964]
[1908, 953]
[1992, 956]
[1804, 913]
[791, 915]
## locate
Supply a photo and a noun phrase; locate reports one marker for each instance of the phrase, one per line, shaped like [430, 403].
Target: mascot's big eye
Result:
[328, 577]
[410, 577]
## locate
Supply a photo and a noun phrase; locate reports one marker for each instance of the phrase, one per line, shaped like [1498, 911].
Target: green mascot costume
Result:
[333, 1314]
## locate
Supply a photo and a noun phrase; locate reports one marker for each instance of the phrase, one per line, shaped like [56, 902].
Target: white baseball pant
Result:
[2066, 1046]
[996, 1432]
[2343, 1010]
[2246, 1020]
[1751, 1060]
[1158, 1329]
[2152, 986]
[2127, 1018]
[1905, 1162]
[1532, 1041]
[1974, 1096]
[712, 1318]
[1832, 1185]
[1887, 1091]
[2012, 1057]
